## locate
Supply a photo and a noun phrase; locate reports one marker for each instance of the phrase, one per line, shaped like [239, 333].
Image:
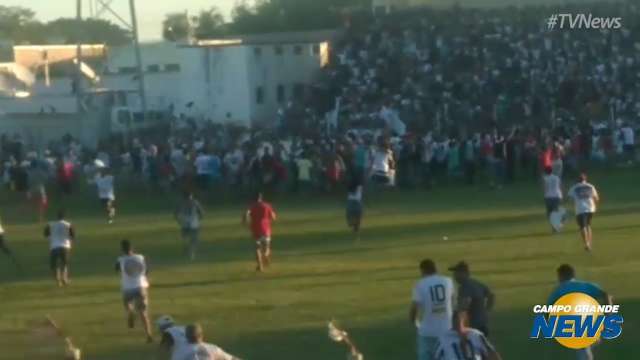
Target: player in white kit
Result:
[585, 196]
[174, 338]
[464, 343]
[133, 269]
[200, 350]
[61, 236]
[104, 182]
[432, 308]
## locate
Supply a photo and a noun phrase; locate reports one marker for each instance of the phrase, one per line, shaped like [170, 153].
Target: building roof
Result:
[269, 39]
[159, 52]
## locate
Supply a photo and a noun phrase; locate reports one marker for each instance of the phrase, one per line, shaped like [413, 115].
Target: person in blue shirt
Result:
[567, 285]
[215, 167]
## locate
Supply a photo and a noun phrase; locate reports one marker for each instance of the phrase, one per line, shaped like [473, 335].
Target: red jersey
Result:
[261, 216]
[546, 159]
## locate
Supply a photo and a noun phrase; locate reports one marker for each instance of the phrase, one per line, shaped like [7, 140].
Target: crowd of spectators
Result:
[418, 98]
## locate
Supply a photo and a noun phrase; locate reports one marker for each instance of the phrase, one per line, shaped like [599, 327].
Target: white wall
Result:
[230, 94]
[215, 79]
[162, 89]
[270, 69]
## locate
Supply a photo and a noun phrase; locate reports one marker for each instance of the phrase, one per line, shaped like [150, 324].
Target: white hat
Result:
[164, 322]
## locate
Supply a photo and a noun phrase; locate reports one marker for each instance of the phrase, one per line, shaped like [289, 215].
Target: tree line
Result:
[19, 24]
[262, 16]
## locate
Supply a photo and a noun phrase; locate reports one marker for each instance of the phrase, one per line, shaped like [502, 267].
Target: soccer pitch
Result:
[319, 273]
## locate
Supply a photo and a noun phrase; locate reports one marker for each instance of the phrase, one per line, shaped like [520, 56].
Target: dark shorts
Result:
[3, 245]
[354, 211]
[629, 149]
[65, 186]
[138, 298]
[552, 204]
[58, 258]
[191, 234]
[106, 203]
[584, 220]
[381, 179]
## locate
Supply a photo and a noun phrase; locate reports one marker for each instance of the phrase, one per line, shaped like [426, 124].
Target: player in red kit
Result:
[260, 215]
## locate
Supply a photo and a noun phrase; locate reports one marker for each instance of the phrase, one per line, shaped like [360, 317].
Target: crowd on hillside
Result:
[477, 69]
[422, 98]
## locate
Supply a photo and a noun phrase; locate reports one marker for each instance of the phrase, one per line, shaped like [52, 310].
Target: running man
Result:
[552, 192]
[462, 342]
[200, 350]
[568, 284]
[174, 338]
[354, 207]
[5, 249]
[432, 308]
[189, 215]
[585, 196]
[104, 183]
[260, 215]
[133, 270]
[61, 235]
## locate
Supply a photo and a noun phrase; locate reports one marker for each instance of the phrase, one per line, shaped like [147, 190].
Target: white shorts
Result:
[264, 241]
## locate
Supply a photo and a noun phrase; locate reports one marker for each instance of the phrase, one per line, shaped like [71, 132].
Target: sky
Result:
[150, 12]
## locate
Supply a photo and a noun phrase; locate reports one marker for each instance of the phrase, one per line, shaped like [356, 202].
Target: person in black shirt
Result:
[474, 297]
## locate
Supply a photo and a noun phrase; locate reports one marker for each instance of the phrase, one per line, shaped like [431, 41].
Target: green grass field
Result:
[319, 272]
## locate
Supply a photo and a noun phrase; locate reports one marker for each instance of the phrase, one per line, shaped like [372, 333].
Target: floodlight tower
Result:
[100, 9]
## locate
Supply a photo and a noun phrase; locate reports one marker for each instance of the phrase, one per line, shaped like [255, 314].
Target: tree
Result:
[13, 19]
[20, 25]
[209, 23]
[89, 30]
[176, 26]
[291, 15]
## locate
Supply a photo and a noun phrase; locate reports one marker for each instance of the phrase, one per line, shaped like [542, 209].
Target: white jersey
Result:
[628, 136]
[381, 160]
[180, 346]
[105, 187]
[202, 164]
[451, 346]
[584, 196]
[59, 234]
[434, 296]
[133, 270]
[206, 351]
[552, 186]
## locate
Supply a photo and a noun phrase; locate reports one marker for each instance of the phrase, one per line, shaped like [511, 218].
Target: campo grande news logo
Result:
[576, 321]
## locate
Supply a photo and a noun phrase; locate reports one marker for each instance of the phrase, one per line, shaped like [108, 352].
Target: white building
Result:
[161, 66]
[247, 79]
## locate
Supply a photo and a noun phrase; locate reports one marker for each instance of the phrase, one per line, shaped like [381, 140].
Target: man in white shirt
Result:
[133, 270]
[61, 235]
[200, 350]
[383, 165]
[628, 142]
[432, 308]
[174, 338]
[552, 191]
[203, 169]
[585, 196]
[462, 342]
[233, 162]
[106, 193]
[189, 216]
